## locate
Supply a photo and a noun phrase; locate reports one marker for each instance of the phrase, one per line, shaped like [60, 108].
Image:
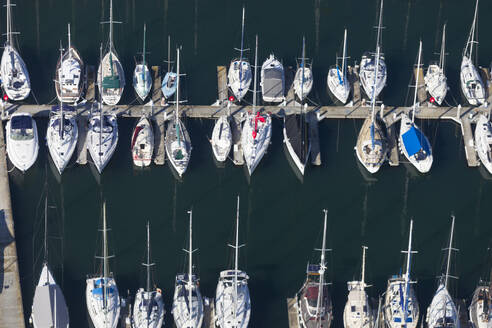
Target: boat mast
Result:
[46, 236]
[236, 263]
[105, 254]
[144, 64]
[373, 96]
[101, 117]
[472, 31]
[256, 70]
[407, 273]
[190, 265]
[363, 266]
[380, 24]
[241, 56]
[176, 113]
[148, 264]
[416, 83]
[322, 268]
[303, 63]
[9, 23]
[343, 56]
[111, 25]
[450, 248]
[168, 53]
[442, 56]
[60, 131]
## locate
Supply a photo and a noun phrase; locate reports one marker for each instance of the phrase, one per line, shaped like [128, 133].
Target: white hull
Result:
[142, 81]
[272, 80]
[436, 83]
[301, 89]
[15, 77]
[368, 74]
[148, 309]
[394, 313]
[183, 316]
[357, 312]
[22, 142]
[111, 94]
[483, 141]
[442, 308]
[225, 305]
[61, 147]
[239, 78]
[422, 160]
[178, 150]
[371, 155]
[254, 148]
[221, 139]
[480, 310]
[102, 144]
[471, 83]
[142, 143]
[339, 89]
[69, 81]
[104, 312]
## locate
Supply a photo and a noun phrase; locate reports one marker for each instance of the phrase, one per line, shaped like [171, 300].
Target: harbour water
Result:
[281, 217]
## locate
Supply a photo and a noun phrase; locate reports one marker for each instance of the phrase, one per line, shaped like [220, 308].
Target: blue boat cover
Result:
[414, 141]
[21, 122]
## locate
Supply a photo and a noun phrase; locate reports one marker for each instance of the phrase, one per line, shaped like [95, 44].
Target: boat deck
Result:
[293, 312]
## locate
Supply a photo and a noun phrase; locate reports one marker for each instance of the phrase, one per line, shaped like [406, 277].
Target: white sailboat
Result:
[232, 301]
[221, 138]
[483, 141]
[101, 293]
[337, 81]
[257, 130]
[442, 312]
[471, 82]
[111, 76]
[102, 135]
[22, 140]
[187, 301]
[314, 301]
[435, 80]
[358, 312]
[480, 309]
[48, 306]
[303, 80]
[373, 67]
[142, 82]
[69, 76]
[413, 143]
[272, 80]
[178, 142]
[401, 308]
[15, 77]
[371, 148]
[148, 308]
[239, 75]
[142, 144]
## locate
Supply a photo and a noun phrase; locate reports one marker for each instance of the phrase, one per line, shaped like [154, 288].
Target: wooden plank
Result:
[353, 77]
[290, 99]
[394, 158]
[156, 85]
[82, 141]
[293, 312]
[237, 148]
[90, 80]
[159, 123]
[421, 92]
[11, 311]
[469, 143]
[222, 83]
[315, 154]
[208, 313]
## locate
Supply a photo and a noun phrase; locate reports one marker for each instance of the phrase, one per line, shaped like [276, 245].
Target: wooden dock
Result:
[156, 85]
[159, 123]
[353, 77]
[293, 312]
[11, 310]
[315, 154]
[82, 125]
[90, 91]
[222, 84]
[469, 141]
[208, 313]
[421, 91]
[237, 148]
[394, 158]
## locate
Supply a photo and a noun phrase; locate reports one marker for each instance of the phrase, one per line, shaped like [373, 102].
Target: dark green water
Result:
[281, 217]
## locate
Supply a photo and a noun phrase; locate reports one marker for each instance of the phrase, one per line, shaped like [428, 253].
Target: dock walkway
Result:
[11, 310]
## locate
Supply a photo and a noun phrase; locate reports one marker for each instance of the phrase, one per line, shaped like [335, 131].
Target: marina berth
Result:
[221, 139]
[435, 79]
[142, 142]
[142, 81]
[22, 141]
[337, 82]
[303, 80]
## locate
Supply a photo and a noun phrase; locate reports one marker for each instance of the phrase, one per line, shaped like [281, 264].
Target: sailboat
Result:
[187, 301]
[178, 142]
[303, 80]
[257, 130]
[337, 81]
[401, 308]
[102, 135]
[22, 140]
[169, 84]
[435, 80]
[49, 308]
[371, 148]
[413, 143]
[314, 301]
[272, 80]
[471, 82]
[480, 309]
[221, 138]
[15, 77]
[69, 78]
[373, 67]
[142, 82]
[111, 75]
[483, 141]
[148, 309]
[232, 301]
[142, 144]
[358, 312]
[442, 311]
[101, 293]
[239, 75]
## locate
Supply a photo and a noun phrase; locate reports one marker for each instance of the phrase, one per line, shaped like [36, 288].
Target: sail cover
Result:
[49, 309]
[414, 141]
[21, 122]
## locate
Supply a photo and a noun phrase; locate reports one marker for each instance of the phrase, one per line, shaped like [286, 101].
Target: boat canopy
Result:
[414, 141]
[273, 82]
[21, 122]
[111, 82]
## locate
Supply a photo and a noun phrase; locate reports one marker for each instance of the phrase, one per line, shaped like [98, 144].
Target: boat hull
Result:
[255, 142]
[272, 80]
[371, 155]
[142, 142]
[113, 78]
[394, 315]
[22, 141]
[224, 300]
[483, 141]
[148, 309]
[69, 81]
[178, 146]
[422, 160]
[102, 314]
[15, 77]
[340, 89]
[367, 75]
[142, 81]
[102, 145]
[296, 141]
[436, 83]
[239, 78]
[472, 86]
[221, 139]
[61, 147]
[302, 87]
